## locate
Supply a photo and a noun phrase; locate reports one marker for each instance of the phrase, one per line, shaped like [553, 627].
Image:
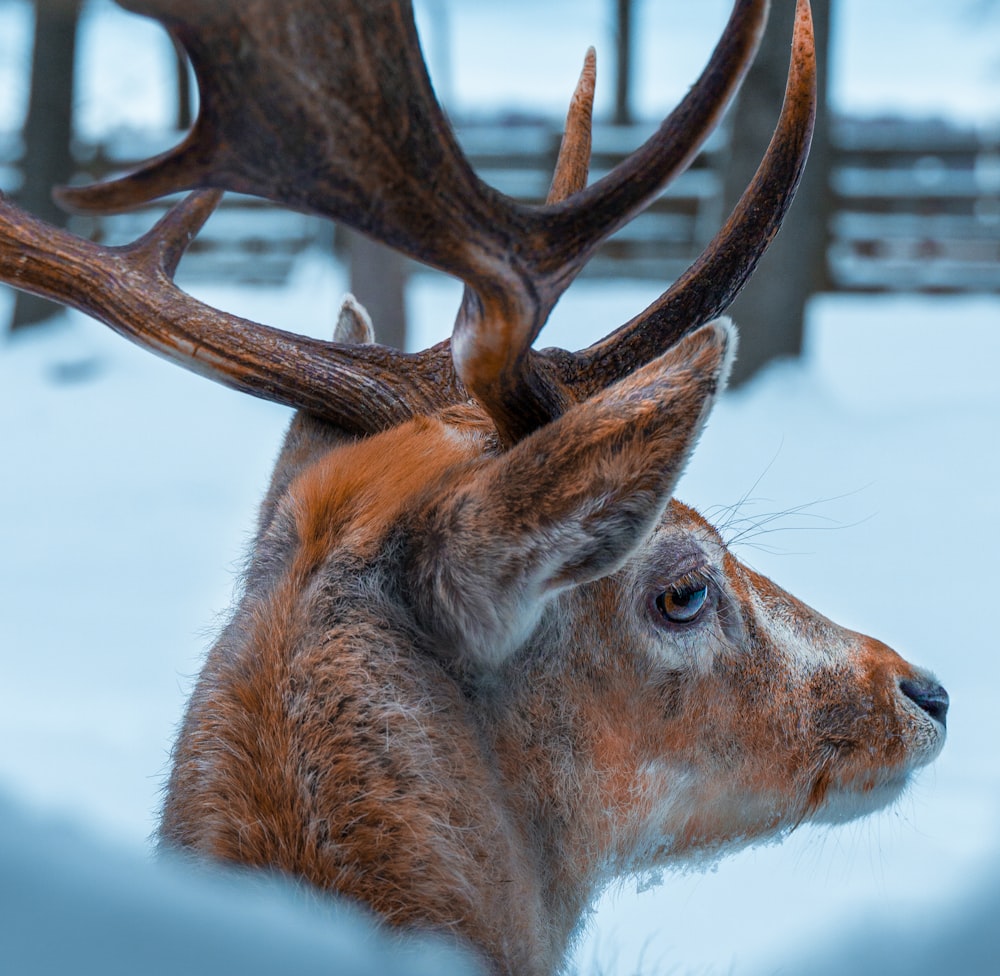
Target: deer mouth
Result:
[856, 782]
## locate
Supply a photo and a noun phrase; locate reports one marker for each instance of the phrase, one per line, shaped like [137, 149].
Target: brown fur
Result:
[446, 692]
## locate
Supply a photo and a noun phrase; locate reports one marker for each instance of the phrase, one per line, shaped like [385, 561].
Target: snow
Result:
[130, 489]
[71, 905]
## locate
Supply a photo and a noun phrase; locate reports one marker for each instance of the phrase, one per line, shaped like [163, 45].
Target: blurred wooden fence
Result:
[916, 206]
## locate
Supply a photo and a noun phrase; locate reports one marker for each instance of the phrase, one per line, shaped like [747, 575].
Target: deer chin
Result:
[840, 802]
[741, 821]
[841, 805]
[840, 796]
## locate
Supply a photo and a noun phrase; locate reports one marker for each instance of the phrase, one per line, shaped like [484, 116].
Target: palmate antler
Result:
[326, 108]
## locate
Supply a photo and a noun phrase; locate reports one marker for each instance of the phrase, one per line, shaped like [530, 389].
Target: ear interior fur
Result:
[566, 505]
[354, 324]
[725, 323]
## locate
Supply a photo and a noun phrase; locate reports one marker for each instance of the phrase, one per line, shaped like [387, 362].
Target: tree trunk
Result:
[623, 62]
[48, 129]
[378, 281]
[771, 308]
[185, 114]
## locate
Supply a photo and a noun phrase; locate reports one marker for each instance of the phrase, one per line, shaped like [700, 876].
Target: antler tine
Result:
[160, 249]
[571, 232]
[573, 164]
[501, 375]
[355, 386]
[709, 286]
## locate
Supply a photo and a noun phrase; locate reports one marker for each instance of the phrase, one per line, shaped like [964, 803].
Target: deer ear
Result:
[308, 437]
[566, 505]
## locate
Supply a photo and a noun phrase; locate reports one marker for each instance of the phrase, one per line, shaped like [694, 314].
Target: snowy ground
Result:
[131, 487]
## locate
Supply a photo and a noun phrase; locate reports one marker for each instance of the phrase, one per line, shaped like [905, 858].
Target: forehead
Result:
[680, 522]
[683, 542]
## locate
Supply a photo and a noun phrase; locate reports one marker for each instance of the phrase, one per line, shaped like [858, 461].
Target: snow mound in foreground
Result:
[71, 905]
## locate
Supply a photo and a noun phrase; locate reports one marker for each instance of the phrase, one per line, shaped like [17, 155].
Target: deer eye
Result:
[682, 602]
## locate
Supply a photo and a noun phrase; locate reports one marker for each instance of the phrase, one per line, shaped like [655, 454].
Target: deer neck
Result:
[565, 776]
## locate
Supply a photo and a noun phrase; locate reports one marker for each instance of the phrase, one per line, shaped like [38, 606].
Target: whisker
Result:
[740, 529]
[743, 499]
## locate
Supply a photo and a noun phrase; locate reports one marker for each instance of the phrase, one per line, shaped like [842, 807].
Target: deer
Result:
[482, 661]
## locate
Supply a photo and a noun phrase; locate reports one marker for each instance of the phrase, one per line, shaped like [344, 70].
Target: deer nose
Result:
[928, 694]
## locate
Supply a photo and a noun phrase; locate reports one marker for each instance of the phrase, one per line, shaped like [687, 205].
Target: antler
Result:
[328, 108]
[131, 289]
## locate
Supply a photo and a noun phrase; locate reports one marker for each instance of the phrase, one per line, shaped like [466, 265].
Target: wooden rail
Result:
[916, 206]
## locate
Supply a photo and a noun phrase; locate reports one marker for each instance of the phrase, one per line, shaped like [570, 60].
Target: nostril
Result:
[929, 695]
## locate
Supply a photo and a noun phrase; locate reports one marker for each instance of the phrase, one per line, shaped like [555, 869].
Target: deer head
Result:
[483, 661]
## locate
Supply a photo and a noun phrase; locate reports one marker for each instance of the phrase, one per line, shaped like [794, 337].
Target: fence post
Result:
[623, 62]
[48, 130]
[771, 308]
